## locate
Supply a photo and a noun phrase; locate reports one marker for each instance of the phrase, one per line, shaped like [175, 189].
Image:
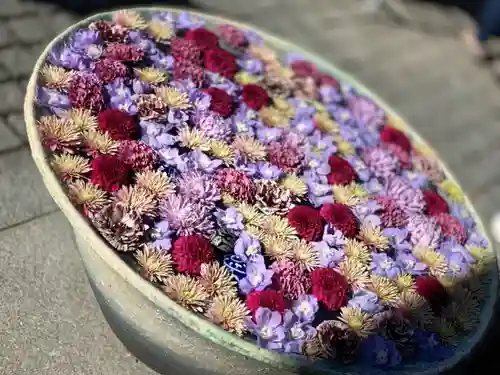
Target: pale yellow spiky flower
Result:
[82, 119]
[172, 97]
[160, 31]
[350, 195]
[432, 259]
[306, 255]
[221, 150]
[278, 248]
[151, 75]
[156, 264]
[70, 167]
[358, 321]
[250, 148]
[277, 226]
[130, 19]
[217, 280]
[325, 123]
[137, 199]
[251, 214]
[294, 185]
[372, 235]
[187, 292]
[87, 195]
[357, 250]
[55, 77]
[355, 272]
[58, 133]
[193, 139]
[156, 182]
[99, 142]
[229, 313]
[384, 288]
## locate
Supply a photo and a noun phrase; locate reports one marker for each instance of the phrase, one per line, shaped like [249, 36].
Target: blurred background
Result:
[408, 51]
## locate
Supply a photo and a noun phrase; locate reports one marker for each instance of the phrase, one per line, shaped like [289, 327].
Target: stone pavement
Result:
[49, 321]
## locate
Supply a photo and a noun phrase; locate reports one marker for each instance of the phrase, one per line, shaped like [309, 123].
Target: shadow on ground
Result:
[471, 7]
[86, 8]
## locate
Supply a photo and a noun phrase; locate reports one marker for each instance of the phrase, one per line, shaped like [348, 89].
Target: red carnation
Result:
[326, 79]
[307, 222]
[330, 288]
[391, 135]
[220, 61]
[303, 68]
[221, 102]
[110, 32]
[205, 39]
[109, 172]
[340, 217]
[119, 125]
[190, 252]
[108, 70]
[435, 203]
[451, 227]
[267, 298]
[254, 96]
[432, 290]
[183, 49]
[85, 91]
[341, 171]
[124, 52]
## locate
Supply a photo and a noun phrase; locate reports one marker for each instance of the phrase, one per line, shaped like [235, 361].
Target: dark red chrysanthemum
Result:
[109, 172]
[255, 96]
[110, 32]
[220, 61]
[391, 135]
[267, 298]
[286, 154]
[340, 217]
[307, 221]
[85, 91]
[184, 69]
[108, 70]
[291, 279]
[303, 68]
[205, 39]
[184, 49]
[432, 290]
[119, 125]
[124, 52]
[390, 214]
[451, 227]
[190, 252]
[326, 79]
[221, 102]
[341, 171]
[138, 155]
[330, 288]
[435, 203]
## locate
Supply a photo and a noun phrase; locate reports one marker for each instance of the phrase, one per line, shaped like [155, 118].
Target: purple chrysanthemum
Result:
[424, 231]
[214, 126]
[199, 187]
[406, 197]
[381, 162]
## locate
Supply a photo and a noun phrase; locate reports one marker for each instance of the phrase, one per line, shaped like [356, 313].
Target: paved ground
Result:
[49, 321]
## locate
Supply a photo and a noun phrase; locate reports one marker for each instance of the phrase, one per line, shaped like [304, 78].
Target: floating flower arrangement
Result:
[265, 195]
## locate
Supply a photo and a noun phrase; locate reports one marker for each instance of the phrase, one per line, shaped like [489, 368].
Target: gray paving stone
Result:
[22, 193]
[19, 61]
[8, 139]
[50, 322]
[12, 94]
[30, 29]
[16, 122]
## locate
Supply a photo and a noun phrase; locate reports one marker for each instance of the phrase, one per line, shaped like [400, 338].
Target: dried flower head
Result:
[156, 263]
[136, 199]
[355, 272]
[357, 250]
[156, 183]
[464, 309]
[453, 191]
[193, 139]
[350, 195]
[251, 214]
[250, 148]
[151, 75]
[415, 308]
[432, 259]
[98, 143]
[70, 167]
[291, 279]
[278, 248]
[294, 184]
[221, 150]
[57, 134]
[405, 282]
[305, 254]
[86, 195]
[273, 117]
[123, 229]
[358, 321]
[129, 19]
[55, 77]
[272, 198]
[173, 97]
[160, 31]
[229, 313]
[325, 123]
[217, 280]
[187, 292]
[384, 288]
[446, 331]
[344, 148]
[150, 107]
[372, 235]
[82, 119]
